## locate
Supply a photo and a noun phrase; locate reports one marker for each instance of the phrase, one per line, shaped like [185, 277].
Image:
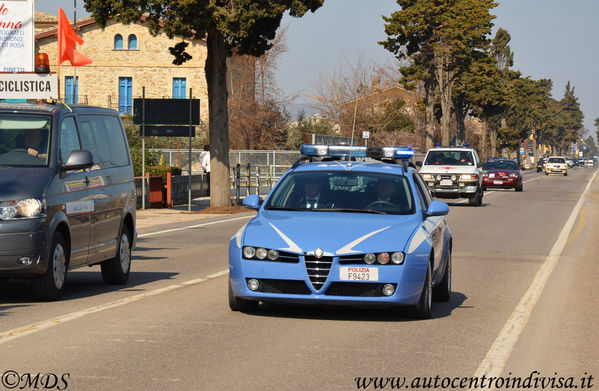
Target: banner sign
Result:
[28, 86]
[17, 38]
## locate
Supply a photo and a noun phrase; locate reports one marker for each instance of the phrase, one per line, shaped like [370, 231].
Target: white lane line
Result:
[24, 331]
[496, 358]
[193, 226]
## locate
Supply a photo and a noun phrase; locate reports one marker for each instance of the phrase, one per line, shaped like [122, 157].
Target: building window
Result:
[71, 89]
[118, 42]
[132, 42]
[125, 95]
[179, 86]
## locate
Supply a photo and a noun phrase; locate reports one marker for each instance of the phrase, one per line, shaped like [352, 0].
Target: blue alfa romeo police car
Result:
[344, 226]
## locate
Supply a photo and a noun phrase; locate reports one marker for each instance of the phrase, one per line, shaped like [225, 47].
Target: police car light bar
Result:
[332, 150]
[356, 151]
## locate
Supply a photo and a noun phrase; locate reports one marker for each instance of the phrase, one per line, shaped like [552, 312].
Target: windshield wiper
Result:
[357, 210]
[281, 208]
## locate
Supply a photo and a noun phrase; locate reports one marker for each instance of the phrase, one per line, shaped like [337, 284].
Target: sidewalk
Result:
[200, 209]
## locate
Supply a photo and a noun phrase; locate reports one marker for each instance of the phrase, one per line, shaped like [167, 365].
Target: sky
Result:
[552, 39]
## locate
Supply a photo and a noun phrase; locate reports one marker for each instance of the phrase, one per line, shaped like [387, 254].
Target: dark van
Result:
[67, 194]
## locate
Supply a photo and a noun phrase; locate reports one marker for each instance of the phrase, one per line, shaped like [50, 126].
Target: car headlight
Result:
[514, 175]
[427, 177]
[273, 255]
[468, 177]
[397, 258]
[369, 258]
[261, 253]
[30, 207]
[383, 258]
[249, 252]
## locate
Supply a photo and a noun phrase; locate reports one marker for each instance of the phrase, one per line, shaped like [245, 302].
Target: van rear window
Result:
[24, 140]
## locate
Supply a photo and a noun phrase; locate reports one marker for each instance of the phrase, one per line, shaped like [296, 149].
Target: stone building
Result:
[126, 58]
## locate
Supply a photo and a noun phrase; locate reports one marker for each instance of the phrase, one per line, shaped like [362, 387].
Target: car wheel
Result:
[424, 306]
[519, 187]
[50, 285]
[565, 174]
[238, 304]
[477, 200]
[546, 173]
[442, 292]
[116, 270]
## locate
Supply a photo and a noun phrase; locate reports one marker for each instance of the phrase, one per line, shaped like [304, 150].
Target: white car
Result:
[454, 172]
[556, 165]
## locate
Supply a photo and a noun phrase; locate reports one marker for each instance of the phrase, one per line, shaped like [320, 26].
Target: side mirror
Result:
[419, 163]
[252, 201]
[437, 208]
[79, 159]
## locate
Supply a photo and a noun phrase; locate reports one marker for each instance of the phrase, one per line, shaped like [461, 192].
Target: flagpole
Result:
[75, 82]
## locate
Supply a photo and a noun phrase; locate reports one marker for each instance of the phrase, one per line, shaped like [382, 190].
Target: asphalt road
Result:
[524, 300]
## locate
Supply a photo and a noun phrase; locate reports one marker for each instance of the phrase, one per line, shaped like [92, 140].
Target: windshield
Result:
[500, 165]
[556, 160]
[343, 192]
[24, 140]
[452, 158]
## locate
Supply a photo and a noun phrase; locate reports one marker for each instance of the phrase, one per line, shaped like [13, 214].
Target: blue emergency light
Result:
[332, 150]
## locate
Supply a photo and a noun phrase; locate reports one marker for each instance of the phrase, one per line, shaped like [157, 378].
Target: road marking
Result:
[497, 356]
[193, 226]
[24, 331]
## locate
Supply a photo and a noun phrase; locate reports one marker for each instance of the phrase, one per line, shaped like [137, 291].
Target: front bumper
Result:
[556, 170]
[501, 183]
[289, 282]
[22, 238]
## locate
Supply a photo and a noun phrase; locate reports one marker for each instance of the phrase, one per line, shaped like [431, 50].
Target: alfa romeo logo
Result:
[318, 253]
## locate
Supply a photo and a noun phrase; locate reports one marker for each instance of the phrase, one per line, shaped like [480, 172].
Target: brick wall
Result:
[150, 65]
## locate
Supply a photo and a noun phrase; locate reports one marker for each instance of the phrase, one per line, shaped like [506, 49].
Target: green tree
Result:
[246, 26]
[438, 38]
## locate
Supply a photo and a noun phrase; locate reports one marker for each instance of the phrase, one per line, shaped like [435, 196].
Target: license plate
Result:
[491, 175]
[358, 273]
[498, 182]
[446, 182]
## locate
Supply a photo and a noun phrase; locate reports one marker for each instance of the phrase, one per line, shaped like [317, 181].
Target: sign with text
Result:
[17, 44]
[166, 111]
[168, 131]
[28, 86]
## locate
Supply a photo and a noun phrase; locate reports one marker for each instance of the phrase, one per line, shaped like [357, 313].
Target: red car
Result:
[502, 174]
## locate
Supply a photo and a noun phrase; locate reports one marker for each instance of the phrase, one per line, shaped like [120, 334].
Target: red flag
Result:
[66, 43]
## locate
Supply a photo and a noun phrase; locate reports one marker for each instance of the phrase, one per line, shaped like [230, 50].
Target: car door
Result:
[72, 192]
[435, 225]
[106, 219]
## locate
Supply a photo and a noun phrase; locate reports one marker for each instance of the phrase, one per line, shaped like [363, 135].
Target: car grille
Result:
[287, 257]
[318, 270]
[354, 259]
[360, 289]
[290, 287]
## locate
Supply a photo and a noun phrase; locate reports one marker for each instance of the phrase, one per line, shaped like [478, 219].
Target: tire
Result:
[519, 187]
[424, 306]
[51, 284]
[115, 271]
[442, 292]
[237, 304]
[477, 200]
[546, 173]
[565, 174]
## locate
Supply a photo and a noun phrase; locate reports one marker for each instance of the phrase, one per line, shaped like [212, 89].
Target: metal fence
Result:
[251, 172]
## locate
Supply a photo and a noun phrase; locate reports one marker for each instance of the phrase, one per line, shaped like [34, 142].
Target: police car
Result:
[344, 226]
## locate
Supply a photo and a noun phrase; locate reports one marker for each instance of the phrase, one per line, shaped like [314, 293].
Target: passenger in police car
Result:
[313, 197]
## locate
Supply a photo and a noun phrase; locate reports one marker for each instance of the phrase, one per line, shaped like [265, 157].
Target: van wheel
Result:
[50, 285]
[116, 270]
